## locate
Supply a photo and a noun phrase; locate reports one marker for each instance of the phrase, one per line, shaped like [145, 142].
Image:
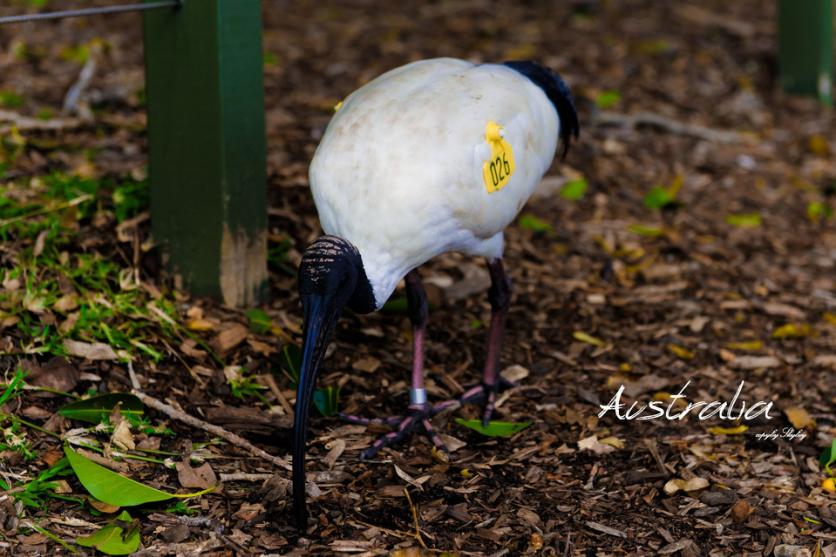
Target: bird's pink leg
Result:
[499, 296]
[419, 410]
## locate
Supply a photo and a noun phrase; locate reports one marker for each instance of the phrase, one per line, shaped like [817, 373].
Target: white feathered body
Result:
[399, 170]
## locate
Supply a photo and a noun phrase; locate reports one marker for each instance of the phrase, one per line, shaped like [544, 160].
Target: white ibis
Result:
[435, 156]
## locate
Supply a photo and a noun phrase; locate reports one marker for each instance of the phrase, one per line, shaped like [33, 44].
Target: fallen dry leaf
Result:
[102, 507]
[200, 325]
[122, 436]
[89, 350]
[755, 362]
[367, 364]
[248, 511]
[591, 443]
[229, 338]
[335, 450]
[736, 430]
[587, 338]
[799, 417]
[515, 373]
[694, 484]
[57, 373]
[202, 477]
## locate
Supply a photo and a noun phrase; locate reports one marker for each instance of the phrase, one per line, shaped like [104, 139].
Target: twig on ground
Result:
[134, 379]
[274, 388]
[189, 548]
[415, 518]
[666, 124]
[187, 520]
[701, 16]
[244, 477]
[40, 212]
[26, 124]
[73, 99]
[650, 445]
[232, 438]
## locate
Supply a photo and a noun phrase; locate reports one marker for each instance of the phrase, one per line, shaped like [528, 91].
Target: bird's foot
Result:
[418, 417]
[481, 393]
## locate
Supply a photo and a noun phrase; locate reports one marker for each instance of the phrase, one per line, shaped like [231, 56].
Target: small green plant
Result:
[129, 199]
[646, 230]
[181, 508]
[535, 224]
[818, 211]
[744, 220]
[664, 197]
[13, 437]
[45, 113]
[79, 54]
[260, 322]
[277, 252]
[10, 99]
[607, 99]
[246, 387]
[828, 457]
[270, 59]
[36, 493]
[574, 190]
[326, 399]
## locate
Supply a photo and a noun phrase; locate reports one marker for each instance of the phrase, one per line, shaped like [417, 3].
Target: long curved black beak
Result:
[321, 315]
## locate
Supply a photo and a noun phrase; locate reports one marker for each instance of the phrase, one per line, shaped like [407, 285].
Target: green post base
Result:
[805, 53]
[207, 146]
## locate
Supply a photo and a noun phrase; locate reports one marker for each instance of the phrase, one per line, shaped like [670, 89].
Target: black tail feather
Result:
[558, 93]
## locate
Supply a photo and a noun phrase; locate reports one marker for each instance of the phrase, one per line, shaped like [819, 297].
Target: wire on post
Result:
[81, 12]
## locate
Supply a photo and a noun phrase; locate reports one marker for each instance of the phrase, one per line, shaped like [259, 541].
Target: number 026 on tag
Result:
[498, 169]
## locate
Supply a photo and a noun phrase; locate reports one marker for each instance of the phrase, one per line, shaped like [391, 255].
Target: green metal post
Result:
[207, 146]
[805, 53]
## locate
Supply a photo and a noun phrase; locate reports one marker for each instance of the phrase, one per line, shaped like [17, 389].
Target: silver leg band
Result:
[417, 396]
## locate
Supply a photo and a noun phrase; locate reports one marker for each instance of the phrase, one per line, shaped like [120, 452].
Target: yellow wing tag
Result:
[498, 170]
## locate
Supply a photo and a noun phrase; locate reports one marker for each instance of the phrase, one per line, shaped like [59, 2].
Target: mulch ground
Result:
[733, 279]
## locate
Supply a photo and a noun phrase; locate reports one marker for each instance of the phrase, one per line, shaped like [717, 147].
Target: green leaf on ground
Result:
[395, 305]
[327, 400]
[607, 99]
[658, 197]
[744, 220]
[828, 456]
[574, 190]
[646, 230]
[14, 386]
[793, 330]
[120, 537]
[292, 362]
[818, 211]
[260, 322]
[494, 429]
[10, 99]
[587, 338]
[95, 409]
[535, 224]
[270, 59]
[108, 486]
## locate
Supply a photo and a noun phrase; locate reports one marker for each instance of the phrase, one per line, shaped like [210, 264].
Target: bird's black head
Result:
[331, 277]
[332, 268]
[558, 93]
